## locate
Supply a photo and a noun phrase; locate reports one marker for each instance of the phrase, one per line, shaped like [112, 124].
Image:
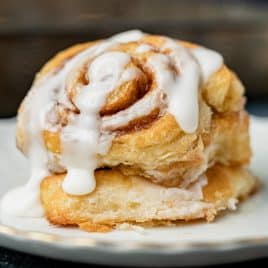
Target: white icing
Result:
[128, 36]
[87, 135]
[209, 61]
[24, 201]
[181, 88]
[80, 139]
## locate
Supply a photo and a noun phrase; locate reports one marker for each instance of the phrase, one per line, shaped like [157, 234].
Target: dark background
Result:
[32, 31]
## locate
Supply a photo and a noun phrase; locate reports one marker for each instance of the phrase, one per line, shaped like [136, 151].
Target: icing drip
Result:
[28, 195]
[81, 137]
[182, 85]
[209, 61]
[24, 201]
[87, 135]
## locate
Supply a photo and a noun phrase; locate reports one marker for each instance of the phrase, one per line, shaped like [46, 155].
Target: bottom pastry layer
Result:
[120, 199]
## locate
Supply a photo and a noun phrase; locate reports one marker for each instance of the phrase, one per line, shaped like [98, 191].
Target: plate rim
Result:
[130, 245]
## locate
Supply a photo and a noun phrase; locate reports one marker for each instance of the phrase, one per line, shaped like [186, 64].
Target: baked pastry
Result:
[136, 128]
[119, 199]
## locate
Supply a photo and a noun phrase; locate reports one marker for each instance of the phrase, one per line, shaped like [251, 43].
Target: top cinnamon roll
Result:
[145, 105]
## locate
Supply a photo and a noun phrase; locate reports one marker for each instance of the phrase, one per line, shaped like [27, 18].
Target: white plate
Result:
[236, 236]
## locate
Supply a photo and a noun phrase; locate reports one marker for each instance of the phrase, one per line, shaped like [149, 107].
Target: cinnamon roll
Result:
[136, 128]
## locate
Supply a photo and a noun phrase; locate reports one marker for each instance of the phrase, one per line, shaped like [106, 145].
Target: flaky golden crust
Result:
[155, 146]
[119, 199]
[169, 152]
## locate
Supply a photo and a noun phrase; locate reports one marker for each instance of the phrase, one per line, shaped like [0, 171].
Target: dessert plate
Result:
[236, 236]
